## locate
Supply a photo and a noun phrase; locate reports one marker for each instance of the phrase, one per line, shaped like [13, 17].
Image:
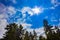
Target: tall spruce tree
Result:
[20, 33]
[11, 30]
[47, 29]
[31, 36]
[26, 36]
[35, 35]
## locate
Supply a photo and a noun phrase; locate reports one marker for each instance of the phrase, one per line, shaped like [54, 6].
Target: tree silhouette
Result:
[10, 34]
[26, 36]
[35, 35]
[31, 36]
[19, 32]
[15, 32]
[41, 38]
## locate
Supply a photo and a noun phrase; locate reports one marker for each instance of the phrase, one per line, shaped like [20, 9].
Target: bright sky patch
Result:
[37, 10]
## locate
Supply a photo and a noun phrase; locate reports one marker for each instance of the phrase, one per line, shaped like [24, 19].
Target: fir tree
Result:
[26, 36]
[35, 35]
[31, 36]
[10, 34]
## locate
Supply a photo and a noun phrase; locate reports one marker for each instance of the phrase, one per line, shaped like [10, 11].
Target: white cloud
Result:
[39, 31]
[37, 10]
[2, 8]
[11, 10]
[29, 29]
[26, 9]
[3, 23]
[3, 16]
[55, 3]
[3, 19]
[23, 15]
[32, 11]
[23, 23]
[26, 25]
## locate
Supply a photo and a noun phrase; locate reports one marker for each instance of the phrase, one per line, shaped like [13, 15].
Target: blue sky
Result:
[29, 13]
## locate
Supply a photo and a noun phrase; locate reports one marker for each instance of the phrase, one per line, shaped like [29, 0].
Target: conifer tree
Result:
[20, 32]
[48, 30]
[31, 36]
[35, 35]
[26, 36]
[10, 34]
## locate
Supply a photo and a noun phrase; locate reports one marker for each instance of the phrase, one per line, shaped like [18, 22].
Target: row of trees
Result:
[15, 32]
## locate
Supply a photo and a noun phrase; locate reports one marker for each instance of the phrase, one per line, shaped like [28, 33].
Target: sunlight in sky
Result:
[37, 10]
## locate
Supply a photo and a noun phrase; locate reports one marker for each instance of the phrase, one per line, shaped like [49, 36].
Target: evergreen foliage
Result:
[15, 32]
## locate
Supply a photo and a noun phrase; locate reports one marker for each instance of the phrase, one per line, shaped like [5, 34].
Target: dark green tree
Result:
[20, 33]
[15, 32]
[35, 35]
[11, 30]
[31, 36]
[48, 30]
[26, 36]
[41, 38]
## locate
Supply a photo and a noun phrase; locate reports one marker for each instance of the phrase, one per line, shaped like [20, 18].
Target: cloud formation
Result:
[11, 10]
[55, 3]
[3, 21]
[32, 11]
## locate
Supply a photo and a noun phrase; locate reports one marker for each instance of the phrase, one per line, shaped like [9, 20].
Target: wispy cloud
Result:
[3, 20]
[37, 10]
[55, 3]
[3, 23]
[23, 23]
[32, 11]
[11, 10]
